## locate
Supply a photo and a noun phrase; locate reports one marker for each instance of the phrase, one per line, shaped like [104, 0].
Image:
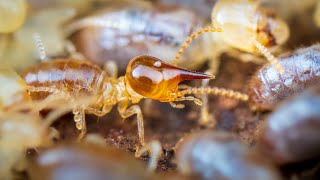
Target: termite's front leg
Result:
[126, 112]
[79, 119]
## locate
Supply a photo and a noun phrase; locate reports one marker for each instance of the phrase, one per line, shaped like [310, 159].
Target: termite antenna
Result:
[264, 51]
[189, 40]
[40, 47]
[214, 91]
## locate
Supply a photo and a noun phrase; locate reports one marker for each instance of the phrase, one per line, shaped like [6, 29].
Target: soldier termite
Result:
[146, 77]
[301, 70]
[219, 155]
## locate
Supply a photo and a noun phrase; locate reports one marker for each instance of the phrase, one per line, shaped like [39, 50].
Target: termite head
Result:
[245, 20]
[149, 77]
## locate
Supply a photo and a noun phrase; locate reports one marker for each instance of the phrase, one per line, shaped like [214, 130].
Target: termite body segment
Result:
[301, 70]
[146, 77]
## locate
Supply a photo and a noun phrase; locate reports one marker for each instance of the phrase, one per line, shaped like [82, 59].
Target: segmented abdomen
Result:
[68, 75]
[301, 70]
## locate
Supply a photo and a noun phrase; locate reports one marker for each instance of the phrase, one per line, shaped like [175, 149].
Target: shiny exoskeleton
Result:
[86, 161]
[301, 70]
[125, 30]
[292, 132]
[219, 155]
[146, 77]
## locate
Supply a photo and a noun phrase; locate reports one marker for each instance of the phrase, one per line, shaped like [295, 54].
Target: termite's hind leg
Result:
[79, 119]
[135, 109]
[155, 149]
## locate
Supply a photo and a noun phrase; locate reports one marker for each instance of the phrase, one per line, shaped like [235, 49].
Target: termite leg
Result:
[111, 68]
[206, 119]
[155, 149]
[245, 57]
[189, 40]
[79, 119]
[205, 91]
[264, 51]
[189, 98]
[135, 109]
[97, 112]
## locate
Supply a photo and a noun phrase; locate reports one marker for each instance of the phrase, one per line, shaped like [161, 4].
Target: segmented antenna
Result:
[190, 39]
[40, 47]
[273, 60]
[214, 91]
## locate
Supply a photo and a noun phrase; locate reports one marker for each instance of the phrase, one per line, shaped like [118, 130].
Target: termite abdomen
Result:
[73, 76]
[301, 70]
[292, 132]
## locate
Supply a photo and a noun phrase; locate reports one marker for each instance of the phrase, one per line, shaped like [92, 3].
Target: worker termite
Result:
[301, 70]
[22, 128]
[122, 31]
[46, 24]
[251, 30]
[13, 14]
[84, 161]
[291, 133]
[146, 77]
[219, 155]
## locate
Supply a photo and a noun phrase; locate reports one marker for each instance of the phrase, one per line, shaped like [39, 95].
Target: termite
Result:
[22, 128]
[220, 155]
[13, 14]
[267, 86]
[291, 133]
[46, 24]
[122, 31]
[86, 160]
[251, 30]
[146, 77]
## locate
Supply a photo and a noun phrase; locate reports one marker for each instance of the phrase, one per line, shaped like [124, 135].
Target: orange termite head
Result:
[149, 77]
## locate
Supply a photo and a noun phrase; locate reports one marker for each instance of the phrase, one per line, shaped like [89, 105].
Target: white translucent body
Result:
[12, 14]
